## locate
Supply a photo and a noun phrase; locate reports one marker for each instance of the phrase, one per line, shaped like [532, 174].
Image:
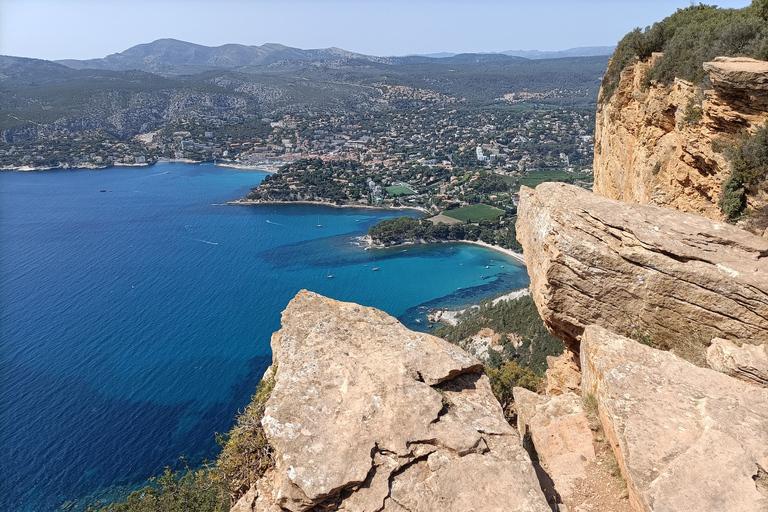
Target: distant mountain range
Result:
[583, 51]
[152, 84]
[174, 57]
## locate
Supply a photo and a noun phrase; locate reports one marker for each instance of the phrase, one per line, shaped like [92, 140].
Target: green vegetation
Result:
[175, 491]
[519, 317]
[245, 457]
[508, 376]
[693, 112]
[500, 231]
[748, 157]
[689, 38]
[521, 366]
[474, 213]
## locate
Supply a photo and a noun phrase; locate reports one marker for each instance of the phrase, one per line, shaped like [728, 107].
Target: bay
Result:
[136, 311]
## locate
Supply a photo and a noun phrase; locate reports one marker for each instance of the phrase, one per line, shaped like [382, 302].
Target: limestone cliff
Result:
[654, 143]
[366, 415]
[603, 271]
[664, 277]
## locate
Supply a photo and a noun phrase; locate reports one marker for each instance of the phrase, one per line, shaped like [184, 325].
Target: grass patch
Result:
[474, 213]
[399, 190]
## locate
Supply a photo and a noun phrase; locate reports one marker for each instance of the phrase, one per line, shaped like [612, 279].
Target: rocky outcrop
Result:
[366, 415]
[653, 147]
[558, 430]
[686, 438]
[664, 277]
[748, 362]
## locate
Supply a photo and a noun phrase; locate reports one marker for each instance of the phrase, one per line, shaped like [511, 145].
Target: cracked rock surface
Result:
[675, 279]
[366, 415]
[686, 438]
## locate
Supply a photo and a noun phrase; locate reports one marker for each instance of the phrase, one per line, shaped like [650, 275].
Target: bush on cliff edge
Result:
[687, 39]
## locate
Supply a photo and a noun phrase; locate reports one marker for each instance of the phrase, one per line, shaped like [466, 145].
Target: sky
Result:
[85, 29]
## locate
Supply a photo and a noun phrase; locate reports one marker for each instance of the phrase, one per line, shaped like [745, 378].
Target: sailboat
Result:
[374, 266]
[318, 223]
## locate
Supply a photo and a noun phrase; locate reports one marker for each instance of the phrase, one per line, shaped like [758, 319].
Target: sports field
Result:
[474, 213]
[397, 190]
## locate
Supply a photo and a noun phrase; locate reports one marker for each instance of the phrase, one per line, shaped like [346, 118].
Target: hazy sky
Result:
[83, 29]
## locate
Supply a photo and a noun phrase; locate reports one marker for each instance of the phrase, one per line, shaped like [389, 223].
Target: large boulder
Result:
[366, 415]
[686, 438]
[661, 276]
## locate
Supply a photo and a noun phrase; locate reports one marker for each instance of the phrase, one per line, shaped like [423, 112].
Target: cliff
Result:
[634, 290]
[657, 144]
[366, 415]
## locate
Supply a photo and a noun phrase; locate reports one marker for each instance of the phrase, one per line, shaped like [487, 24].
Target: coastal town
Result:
[509, 139]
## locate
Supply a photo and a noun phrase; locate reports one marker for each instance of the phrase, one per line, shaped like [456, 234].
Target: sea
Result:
[136, 310]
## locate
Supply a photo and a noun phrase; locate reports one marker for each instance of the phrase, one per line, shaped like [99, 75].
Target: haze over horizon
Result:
[88, 29]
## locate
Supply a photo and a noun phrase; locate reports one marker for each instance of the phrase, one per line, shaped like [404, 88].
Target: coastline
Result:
[509, 252]
[245, 167]
[453, 317]
[247, 202]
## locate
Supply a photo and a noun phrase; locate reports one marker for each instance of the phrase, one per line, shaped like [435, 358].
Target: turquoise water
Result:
[136, 311]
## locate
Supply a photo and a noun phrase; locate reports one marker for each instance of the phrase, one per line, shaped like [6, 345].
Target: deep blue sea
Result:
[136, 312]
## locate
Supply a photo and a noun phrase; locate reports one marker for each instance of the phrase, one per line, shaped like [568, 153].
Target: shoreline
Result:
[453, 317]
[508, 252]
[245, 167]
[246, 202]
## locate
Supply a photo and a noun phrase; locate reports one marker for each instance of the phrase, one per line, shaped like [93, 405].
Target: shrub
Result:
[508, 376]
[749, 166]
[247, 455]
[175, 491]
[733, 201]
[692, 113]
[687, 39]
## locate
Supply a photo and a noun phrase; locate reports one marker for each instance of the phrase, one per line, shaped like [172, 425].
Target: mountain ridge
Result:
[175, 57]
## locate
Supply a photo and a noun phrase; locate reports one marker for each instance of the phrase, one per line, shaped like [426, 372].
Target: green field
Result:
[534, 178]
[474, 213]
[398, 190]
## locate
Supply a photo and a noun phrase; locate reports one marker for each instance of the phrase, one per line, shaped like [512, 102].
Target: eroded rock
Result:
[366, 415]
[665, 277]
[686, 438]
[650, 150]
[559, 431]
[748, 362]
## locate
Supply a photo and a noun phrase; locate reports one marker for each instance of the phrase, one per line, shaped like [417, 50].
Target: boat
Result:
[318, 223]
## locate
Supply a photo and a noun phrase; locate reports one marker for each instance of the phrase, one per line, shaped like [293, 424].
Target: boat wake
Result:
[205, 241]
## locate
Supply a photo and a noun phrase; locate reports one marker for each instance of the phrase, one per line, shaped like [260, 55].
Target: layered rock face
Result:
[366, 415]
[664, 277]
[646, 151]
[686, 438]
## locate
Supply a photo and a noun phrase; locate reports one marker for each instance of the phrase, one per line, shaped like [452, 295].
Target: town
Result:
[435, 159]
